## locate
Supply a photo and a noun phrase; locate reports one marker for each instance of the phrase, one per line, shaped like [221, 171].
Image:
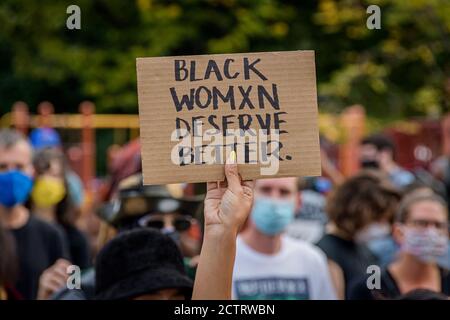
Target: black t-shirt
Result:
[388, 287]
[78, 247]
[352, 258]
[38, 244]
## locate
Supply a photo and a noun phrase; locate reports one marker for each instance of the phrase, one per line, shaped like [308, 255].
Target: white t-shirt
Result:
[298, 272]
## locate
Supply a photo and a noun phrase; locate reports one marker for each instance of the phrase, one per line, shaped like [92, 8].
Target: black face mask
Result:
[369, 164]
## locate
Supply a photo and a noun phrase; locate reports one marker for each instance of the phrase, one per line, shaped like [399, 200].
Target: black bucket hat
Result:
[139, 262]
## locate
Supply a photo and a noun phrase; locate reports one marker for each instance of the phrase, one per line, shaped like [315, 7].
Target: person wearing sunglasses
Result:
[164, 208]
[154, 269]
[136, 207]
[170, 223]
[421, 230]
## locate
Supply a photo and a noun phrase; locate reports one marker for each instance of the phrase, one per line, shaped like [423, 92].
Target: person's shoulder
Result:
[365, 287]
[331, 245]
[358, 290]
[304, 249]
[38, 223]
[326, 240]
[45, 227]
[75, 234]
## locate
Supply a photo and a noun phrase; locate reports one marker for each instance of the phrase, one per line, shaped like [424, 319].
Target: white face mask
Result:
[376, 230]
[427, 245]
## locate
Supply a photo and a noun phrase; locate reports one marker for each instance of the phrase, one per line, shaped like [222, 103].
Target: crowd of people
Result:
[382, 233]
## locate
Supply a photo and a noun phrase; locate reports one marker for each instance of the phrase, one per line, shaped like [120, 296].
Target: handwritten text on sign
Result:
[195, 110]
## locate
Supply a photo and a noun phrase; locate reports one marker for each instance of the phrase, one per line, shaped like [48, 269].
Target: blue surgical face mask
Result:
[75, 186]
[15, 187]
[272, 216]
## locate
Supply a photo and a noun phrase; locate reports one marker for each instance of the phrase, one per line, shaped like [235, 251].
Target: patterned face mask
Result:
[428, 245]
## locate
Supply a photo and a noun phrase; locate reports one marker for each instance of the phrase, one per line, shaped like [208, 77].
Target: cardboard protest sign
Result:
[194, 110]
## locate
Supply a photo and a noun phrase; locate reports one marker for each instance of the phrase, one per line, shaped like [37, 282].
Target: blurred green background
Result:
[399, 71]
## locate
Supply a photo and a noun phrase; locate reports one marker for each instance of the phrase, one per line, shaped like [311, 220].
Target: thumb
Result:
[232, 174]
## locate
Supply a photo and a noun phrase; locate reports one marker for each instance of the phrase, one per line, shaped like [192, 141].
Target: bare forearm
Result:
[215, 270]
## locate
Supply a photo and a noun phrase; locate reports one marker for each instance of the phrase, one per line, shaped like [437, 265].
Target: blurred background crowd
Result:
[71, 188]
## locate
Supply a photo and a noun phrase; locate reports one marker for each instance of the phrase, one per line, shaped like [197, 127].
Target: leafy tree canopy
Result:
[397, 71]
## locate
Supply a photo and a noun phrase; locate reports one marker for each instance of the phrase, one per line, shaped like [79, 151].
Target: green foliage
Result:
[398, 71]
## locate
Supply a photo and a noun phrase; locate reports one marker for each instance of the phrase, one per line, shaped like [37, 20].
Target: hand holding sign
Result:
[228, 204]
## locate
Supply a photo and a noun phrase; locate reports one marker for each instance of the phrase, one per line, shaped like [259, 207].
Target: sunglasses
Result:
[181, 223]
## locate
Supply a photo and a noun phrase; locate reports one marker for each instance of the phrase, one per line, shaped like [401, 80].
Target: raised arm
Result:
[227, 206]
